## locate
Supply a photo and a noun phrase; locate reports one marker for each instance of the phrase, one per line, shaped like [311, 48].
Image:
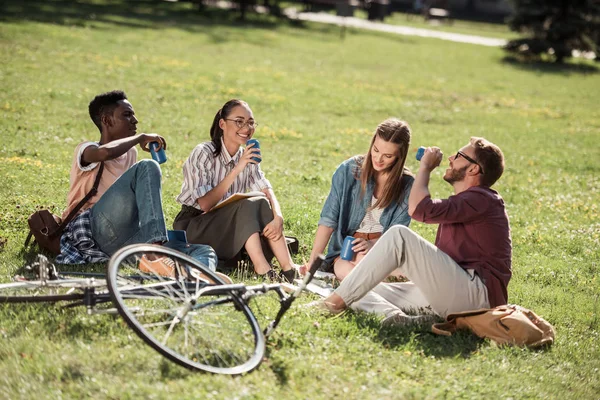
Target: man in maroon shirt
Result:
[470, 265]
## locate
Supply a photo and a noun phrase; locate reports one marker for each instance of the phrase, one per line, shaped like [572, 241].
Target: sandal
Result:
[271, 276]
[288, 276]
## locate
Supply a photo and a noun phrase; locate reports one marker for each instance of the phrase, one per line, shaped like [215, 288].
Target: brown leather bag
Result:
[47, 228]
[505, 325]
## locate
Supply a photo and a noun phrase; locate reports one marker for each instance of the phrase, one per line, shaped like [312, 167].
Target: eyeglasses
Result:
[240, 123]
[469, 159]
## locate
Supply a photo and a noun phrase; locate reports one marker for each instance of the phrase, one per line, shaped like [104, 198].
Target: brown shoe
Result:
[162, 266]
[196, 274]
[400, 319]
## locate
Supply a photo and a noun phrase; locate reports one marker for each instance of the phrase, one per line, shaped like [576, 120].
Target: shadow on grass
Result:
[461, 344]
[146, 14]
[549, 67]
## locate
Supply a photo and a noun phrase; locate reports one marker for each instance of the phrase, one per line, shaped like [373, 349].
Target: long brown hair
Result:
[216, 133]
[395, 131]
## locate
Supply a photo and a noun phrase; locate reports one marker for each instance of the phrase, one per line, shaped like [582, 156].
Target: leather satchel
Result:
[505, 325]
[48, 228]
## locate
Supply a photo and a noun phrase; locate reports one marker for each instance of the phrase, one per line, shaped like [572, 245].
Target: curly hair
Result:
[104, 103]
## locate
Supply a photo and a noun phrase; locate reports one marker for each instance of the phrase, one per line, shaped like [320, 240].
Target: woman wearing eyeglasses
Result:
[215, 171]
[369, 194]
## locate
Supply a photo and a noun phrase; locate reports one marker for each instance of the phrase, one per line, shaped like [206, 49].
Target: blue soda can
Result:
[256, 146]
[347, 253]
[420, 152]
[177, 236]
[158, 156]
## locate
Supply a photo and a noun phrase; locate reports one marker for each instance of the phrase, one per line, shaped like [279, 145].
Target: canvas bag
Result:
[505, 325]
[47, 228]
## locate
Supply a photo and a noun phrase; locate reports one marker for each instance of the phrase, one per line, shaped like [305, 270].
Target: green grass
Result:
[318, 98]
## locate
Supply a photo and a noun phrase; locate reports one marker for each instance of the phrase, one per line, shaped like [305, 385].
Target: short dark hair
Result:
[105, 103]
[490, 158]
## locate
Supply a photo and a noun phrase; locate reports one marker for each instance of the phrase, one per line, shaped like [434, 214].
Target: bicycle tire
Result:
[216, 333]
[35, 292]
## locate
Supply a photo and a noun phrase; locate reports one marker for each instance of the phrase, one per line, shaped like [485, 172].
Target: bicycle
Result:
[191, 317]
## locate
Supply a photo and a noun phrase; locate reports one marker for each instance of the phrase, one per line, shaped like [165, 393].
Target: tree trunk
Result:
[471, 5]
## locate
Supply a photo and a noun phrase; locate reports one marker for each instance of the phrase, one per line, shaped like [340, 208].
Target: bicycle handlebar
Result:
[286, 302]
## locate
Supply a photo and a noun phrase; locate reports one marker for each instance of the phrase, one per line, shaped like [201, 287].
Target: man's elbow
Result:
[95, 156]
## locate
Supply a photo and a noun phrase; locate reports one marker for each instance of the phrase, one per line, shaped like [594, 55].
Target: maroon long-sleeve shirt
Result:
[474, 231]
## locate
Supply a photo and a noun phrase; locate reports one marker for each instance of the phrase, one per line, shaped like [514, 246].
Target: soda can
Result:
[158, 156]
[347, 253]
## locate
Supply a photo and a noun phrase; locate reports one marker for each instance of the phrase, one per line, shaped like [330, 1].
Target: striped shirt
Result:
[370, 223]
[202, 172]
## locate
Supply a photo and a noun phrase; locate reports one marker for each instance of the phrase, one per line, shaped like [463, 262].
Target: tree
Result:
[554, 28]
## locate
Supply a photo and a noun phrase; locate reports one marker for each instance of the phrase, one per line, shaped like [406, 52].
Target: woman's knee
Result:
[342, 268]
[257, 205]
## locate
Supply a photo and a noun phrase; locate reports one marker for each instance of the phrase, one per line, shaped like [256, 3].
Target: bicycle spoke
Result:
[193, 326]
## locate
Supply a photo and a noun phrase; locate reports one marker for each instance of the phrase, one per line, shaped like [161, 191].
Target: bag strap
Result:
[88, 196]
[28, 238]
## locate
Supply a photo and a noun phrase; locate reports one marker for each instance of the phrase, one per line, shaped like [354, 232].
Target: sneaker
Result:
[196, 274]
[400, 319]
[288, 276]
[271, 276]
[162, 266]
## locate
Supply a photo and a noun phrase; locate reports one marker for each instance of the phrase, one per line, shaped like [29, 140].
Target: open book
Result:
[235, 197]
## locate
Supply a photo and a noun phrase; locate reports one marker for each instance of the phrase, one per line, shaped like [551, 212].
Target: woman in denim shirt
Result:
[368, 195]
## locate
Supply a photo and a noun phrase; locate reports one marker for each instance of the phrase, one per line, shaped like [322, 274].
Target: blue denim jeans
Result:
[130, 211]
[200, 252]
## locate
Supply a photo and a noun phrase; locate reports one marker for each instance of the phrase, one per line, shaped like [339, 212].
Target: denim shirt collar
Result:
[346, 206]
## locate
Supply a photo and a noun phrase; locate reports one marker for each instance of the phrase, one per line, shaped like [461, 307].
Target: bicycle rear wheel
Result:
[36, 292]
[177, 316]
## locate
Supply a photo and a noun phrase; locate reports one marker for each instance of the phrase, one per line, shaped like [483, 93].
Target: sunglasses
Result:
[469, 159]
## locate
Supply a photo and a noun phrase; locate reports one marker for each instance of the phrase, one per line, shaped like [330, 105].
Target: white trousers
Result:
[437, 283]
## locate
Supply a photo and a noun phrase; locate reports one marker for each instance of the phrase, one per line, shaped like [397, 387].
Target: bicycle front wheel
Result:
[174, 312]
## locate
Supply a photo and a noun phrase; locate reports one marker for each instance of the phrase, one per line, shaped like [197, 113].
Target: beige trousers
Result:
[437, 283]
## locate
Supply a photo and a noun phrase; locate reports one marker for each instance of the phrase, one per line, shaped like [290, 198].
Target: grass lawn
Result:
[318, 99]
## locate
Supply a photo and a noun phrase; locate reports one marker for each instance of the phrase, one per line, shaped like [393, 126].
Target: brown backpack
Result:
[505, 325]
[47, 228]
